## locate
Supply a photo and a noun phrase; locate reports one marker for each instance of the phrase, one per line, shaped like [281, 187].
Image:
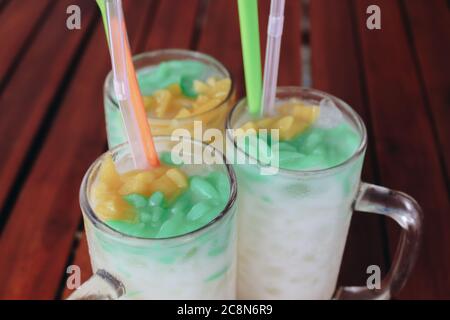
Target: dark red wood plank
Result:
[82, 261]
[336, 69]
[290, 59]
[3, 4]
[36, 81]
[19, 21]
[179, 36]
[39, 235]
[406, 150]
[220, 37]
[430, 27]
[168, 32]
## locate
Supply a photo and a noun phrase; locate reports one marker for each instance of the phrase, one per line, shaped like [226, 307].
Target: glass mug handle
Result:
[101, 286]
[408, 215]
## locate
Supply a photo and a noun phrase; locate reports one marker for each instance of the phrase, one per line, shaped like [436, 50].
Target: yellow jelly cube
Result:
[200, 87]
[224, 85]
[139, 183]
[138, 174]
[102, 191]
[175, 89]
[285, 126]
[308, 114]
[211, 82]
[181, 103]
[284, 123]
[149, 103]
[160, 171]
[210, 104]
[115, 208]
[265, 123]
[201, 99]
[178, 177]
[165, 185]
[108, 173]
[127, 176]
[183, 113]
[163, 99]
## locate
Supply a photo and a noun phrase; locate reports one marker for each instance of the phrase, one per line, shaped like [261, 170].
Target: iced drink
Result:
[165, 233]
[293, 224]
[179, 87]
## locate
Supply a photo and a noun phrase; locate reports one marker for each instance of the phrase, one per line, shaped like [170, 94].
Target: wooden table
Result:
[52, 122]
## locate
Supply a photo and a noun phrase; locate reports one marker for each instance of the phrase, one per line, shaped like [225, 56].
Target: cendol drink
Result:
[179, 87]
[293, 224]
[158, 203]
[167, 232]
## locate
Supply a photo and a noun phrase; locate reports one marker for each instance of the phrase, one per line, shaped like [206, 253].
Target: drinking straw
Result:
[274, 34]
[102, 5]
[127, 89]
[249, 24]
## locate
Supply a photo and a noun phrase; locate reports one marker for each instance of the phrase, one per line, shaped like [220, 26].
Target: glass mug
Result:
[198, 265]
[293, 225]
[212, 118]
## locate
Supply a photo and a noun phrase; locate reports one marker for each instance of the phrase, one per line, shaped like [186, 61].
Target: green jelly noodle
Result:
[182, 72]
[203, 200]
[316, 148]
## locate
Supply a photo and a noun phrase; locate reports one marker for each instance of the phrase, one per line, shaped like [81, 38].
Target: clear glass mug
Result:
[293, 225]
[197, 265]
[213, 118]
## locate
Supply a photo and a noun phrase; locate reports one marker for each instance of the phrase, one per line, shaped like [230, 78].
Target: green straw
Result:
[102, 5]
[248, 17]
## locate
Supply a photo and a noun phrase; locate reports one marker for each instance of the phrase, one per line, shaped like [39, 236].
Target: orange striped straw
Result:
[137, 103]
[127, 90]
